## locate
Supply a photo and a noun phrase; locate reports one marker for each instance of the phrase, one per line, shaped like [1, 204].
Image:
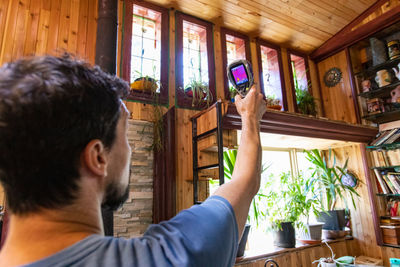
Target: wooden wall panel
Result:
[38, 27]
[338, 100]
[361, 218]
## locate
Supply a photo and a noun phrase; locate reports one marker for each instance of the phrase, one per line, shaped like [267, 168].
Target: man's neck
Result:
[39, 235]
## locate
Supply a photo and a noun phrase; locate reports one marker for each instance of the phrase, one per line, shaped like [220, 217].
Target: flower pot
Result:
[285, 237]
[333, 219]
[243, 241]
[328, 264]
[144, 84]
[314, 231]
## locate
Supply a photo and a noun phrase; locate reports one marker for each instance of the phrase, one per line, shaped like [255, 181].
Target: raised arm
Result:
[247, 172]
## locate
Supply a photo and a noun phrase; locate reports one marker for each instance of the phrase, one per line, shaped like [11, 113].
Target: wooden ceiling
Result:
[300, 24]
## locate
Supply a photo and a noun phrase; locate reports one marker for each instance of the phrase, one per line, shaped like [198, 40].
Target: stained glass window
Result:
[299, 71]
[271, 73]
[146, 44]
[195, 65]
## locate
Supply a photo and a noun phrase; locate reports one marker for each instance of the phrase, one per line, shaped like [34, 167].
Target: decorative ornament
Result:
[332, 77]
[350, 179]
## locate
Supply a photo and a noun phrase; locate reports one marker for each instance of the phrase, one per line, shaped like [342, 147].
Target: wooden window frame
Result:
[224, 32]
[298, 54]
[126, 52]
[181, 100]
[259, 43]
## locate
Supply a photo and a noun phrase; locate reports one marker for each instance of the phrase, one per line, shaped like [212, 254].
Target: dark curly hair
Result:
[50, 109]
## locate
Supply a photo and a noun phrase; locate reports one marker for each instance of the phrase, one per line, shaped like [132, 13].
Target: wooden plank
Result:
[10, 28]
[4, 11]
[337, 100]
[21, 27]
[43, 32]
[32, 28]
[63, 30]
[52, 38]
[74, 26]
[91, 31]
[82, 28]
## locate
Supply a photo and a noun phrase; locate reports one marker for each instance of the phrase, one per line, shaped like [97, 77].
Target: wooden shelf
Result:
[386, 167]
[381, 92]
[391, 246]
[384, 116]
[388, 64]
[385, 147]
[282, 122]
[388, 195]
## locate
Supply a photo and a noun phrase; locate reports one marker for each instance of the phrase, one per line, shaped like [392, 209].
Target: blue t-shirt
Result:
[204, 235]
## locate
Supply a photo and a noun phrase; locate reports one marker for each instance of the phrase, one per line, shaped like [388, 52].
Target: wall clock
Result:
[332, 77]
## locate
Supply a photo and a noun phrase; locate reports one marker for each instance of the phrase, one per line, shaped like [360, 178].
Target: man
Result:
[65, 153]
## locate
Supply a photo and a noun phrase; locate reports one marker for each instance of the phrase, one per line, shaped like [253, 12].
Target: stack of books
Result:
[389, 182]
[387, 137]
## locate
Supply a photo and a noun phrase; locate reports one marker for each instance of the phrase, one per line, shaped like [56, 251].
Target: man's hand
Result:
[253, 106]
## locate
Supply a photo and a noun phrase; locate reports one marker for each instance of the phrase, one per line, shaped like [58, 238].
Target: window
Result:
[145, 52]
[300, 76]
[195, 69]
[234, 46]
[278, 160]
[271, 73]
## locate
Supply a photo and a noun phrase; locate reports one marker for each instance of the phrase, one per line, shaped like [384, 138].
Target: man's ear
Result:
[95, 158]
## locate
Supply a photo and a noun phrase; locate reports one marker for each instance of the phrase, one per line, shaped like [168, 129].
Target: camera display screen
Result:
[239, 74]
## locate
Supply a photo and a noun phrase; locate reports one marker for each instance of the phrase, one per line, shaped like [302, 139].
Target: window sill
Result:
[252, 255]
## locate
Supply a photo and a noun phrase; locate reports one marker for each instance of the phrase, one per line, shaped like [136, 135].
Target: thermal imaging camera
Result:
[240, 74]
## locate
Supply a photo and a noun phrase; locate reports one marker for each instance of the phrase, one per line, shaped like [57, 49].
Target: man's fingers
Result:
[238, 98]
[255, 87]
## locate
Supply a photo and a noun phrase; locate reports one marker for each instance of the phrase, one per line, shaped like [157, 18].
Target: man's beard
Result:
[114, 199]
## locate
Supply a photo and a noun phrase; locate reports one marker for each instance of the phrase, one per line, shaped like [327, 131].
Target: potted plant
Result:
[310, 202]
[305, 101]
[199, 92]
[284, 210]
[329, 177]
[273, 102]
[145, 83]
[254, 212]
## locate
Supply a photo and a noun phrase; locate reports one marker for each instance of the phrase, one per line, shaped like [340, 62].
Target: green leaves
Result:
[329, 178]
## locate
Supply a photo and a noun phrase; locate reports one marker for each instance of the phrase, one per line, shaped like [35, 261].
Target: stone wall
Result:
[133, 218]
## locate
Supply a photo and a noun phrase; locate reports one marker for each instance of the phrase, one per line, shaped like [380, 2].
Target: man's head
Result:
[57, 114]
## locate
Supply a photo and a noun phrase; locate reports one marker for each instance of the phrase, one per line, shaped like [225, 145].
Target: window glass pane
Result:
[136, 49]
[235, 49]
[271, 72]
[299, 72]
[278, 162]
[146, 43]
[303, 164]
[195, 64]
[150, 50]
[136, 71]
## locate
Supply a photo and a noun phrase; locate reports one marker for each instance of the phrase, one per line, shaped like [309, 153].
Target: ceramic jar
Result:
[393, 49]
[383, 78]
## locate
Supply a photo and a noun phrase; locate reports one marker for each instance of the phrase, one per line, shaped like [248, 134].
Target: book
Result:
[393, 138]
[378, 137]
[394, 181]
[392, 189]
[383, 185]
[386, 158]
[386, 136]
